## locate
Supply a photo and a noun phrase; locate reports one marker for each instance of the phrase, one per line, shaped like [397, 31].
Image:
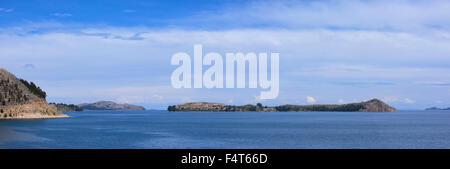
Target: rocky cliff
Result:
[22, 100]
[373, 105]
[109, 105]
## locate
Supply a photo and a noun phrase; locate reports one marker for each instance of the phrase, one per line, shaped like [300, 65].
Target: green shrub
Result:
[34, 89]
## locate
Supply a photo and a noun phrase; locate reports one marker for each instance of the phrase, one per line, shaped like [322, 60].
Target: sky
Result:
[331, 52]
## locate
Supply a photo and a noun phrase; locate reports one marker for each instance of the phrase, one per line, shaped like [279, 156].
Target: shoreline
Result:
[33, 117]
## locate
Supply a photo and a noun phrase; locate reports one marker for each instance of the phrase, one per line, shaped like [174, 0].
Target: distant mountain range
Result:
[436, 108]
[109, 105]
[373, 105]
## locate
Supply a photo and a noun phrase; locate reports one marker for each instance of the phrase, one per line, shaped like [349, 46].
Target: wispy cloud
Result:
[409, 101]
[435, 83]
[128, 11]
[351, 14]
[29, 66]
[362, 83]
[62, 14]
[395, 99]
[6, 10]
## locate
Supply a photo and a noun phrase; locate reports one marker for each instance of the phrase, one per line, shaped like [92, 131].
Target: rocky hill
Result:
[109, 105]
[20, 99]
[373, 105]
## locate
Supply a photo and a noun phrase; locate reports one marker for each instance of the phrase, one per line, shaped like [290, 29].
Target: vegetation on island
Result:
[36, 90]
[216, 107]
[373, 105]
[67, 107]
[329, 108]
[109, 105]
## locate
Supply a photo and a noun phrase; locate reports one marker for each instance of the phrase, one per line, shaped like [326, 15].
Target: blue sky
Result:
[112, 13]
[331, 51]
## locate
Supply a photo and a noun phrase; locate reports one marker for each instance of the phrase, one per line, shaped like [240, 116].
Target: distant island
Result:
[20, 99]
[109, 105]
[67, 107]
[436, 108]
[373, 105]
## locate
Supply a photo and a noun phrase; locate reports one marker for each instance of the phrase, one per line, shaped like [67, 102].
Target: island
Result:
[436, 108]
[373, 105]
[109, 105]
[20, 99]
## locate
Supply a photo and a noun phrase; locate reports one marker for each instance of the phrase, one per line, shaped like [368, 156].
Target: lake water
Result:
[162, 129]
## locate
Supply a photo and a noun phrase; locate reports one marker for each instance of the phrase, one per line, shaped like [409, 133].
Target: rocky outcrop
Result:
[34, 110]
[373, 105]
[376, 105]
[22, 100]
[109, 105]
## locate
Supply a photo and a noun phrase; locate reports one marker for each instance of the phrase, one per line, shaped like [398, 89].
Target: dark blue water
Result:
[162, 129]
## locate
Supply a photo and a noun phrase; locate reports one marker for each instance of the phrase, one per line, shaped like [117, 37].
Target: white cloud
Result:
[393, 99]
[409, 101]
[390, 99]
[341, 101]
[310, 99]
